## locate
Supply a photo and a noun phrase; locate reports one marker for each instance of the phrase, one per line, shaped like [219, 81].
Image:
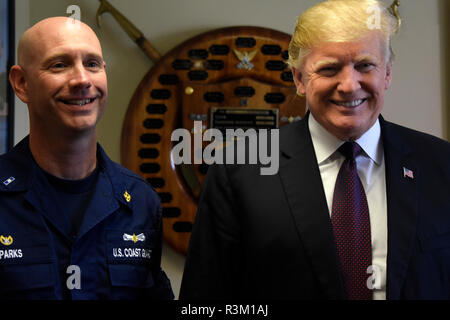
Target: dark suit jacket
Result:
[270, 237]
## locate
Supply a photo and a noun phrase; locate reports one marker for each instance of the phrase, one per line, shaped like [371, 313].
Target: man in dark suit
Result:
[359, 208]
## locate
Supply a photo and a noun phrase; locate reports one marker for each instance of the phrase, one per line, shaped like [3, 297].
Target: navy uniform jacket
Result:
[117, 250]
[270, 237]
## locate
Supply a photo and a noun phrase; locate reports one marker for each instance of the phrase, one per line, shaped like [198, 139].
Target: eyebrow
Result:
[325, 62]
[57, 56]
[365, 57]
[330, 62]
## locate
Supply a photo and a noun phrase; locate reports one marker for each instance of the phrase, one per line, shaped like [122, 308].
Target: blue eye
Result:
[58, 65]
[93, 64]
[365, 67]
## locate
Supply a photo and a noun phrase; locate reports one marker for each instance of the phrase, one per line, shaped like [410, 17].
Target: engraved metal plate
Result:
[234, 118]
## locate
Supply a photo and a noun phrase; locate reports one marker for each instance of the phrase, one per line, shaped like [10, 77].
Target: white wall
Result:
[414, 100]
[416, 95]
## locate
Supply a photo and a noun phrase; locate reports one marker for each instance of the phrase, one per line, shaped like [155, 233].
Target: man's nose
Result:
[349, 80]
[80, 77]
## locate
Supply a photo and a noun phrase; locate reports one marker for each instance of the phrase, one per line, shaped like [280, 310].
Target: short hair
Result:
[340, 21]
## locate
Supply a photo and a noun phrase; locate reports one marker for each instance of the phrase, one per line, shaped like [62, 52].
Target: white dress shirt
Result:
[371, 171]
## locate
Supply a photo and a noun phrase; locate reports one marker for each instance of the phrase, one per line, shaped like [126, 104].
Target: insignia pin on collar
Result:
[8, 181]
[127, 196]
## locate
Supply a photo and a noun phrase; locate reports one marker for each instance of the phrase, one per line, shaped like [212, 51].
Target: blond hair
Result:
[340, 21]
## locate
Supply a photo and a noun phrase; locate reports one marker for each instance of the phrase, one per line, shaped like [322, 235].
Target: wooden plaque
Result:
[237, 67]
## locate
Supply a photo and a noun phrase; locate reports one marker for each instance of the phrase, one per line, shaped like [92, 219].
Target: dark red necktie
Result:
[351, 225]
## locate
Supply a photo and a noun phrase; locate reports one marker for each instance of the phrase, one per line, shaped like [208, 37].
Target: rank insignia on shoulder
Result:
[8, 181]
[7, 241]
[127, 196]
[133, 237]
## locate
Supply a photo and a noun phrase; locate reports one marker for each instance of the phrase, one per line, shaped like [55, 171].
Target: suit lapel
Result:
[402, 207]
[302, 183]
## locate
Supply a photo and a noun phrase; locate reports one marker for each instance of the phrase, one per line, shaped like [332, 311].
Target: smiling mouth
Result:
[349, 104]
[78, 102]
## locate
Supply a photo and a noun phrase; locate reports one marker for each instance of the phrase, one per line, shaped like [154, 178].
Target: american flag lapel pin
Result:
[408, 173]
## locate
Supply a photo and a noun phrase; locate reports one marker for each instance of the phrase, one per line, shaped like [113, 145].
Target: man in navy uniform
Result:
[73, 224]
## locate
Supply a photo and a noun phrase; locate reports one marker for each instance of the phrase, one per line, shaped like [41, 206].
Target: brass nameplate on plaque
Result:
[234, 118]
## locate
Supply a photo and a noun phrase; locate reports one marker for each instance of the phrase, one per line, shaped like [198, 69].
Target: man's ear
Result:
[19, 82]
[388, 76]
[298, 80]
